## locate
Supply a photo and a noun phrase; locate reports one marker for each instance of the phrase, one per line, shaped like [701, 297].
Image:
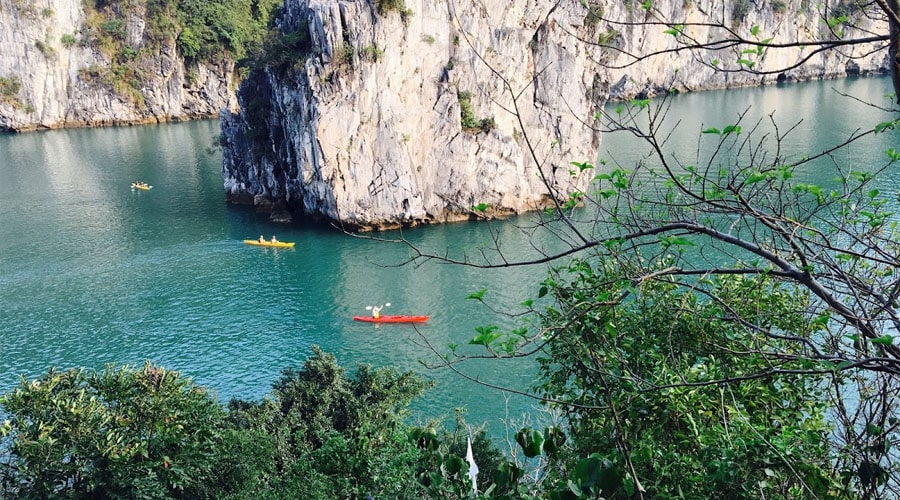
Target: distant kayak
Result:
[392, 319]
[141, 186]
[277, 244]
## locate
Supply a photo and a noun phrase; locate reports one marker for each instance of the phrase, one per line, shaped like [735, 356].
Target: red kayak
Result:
[392, 319]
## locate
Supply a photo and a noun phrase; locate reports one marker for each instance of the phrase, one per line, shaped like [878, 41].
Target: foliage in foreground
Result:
[152, 433]
[333, 435]
[123, 432]
[675, 396]
[325, 433]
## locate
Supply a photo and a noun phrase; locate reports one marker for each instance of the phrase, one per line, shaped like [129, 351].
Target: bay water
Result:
[93, 272]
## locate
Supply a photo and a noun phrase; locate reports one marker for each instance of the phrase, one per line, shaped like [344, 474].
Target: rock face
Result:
[368, 130]
[50, 77]
[781, 22]
[386, 118]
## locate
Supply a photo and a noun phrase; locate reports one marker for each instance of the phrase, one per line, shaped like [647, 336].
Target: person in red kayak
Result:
[376, 310]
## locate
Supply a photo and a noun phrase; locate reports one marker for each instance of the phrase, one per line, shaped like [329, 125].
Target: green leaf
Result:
[675, 30]
[640, 103]
[755, 177]
[531, 441]
[754, 30]
[486, 335]
[554, 438]
[884, 340]
[881, 127]
[606, 193]
[668, 241]
[629, 487]
[453, 465]
[712, 130]
[834, 21]
[874, 430]
[582, 166]
[481, 207]
[732, 129]
[574, 199]
[822, 320]
[479, 295]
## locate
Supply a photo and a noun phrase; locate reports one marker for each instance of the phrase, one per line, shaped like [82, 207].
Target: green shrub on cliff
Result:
[202, 29]
[209, 26]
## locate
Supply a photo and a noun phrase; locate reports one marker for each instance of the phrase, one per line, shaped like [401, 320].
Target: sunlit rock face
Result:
[379, 119]
[51, 78]
[367, 127]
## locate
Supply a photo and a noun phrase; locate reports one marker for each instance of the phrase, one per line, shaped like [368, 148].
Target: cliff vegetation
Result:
[103, 62]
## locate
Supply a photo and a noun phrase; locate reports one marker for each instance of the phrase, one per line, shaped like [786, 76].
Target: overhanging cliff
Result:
[388, 118]
[381, 114]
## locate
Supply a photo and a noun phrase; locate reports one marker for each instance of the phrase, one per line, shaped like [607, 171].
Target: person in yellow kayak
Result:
[262, 239]
[273, 239]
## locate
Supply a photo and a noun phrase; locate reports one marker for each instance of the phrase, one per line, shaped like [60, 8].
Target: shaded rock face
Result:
[387, 119]
[50, 78]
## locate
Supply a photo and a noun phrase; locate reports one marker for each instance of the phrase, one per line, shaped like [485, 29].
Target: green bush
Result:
[150, 433]
[122, 433]
[338, 435]
[467, 115]
[208, 26]
[282, 52]
[690, 419]
[9, 87]
[739, 10]
[68, 40]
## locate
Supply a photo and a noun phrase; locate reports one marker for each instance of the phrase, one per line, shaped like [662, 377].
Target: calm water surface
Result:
[92, 272]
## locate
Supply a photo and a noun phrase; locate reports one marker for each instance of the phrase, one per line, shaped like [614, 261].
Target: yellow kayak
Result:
[277, 244]
[144, 187]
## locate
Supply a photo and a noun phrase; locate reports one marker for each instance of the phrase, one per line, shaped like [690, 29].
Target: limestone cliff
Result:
[53, 75]
[782, 22]
[398, 116]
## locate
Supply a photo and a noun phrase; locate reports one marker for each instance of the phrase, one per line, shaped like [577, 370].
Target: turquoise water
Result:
[92, 272]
